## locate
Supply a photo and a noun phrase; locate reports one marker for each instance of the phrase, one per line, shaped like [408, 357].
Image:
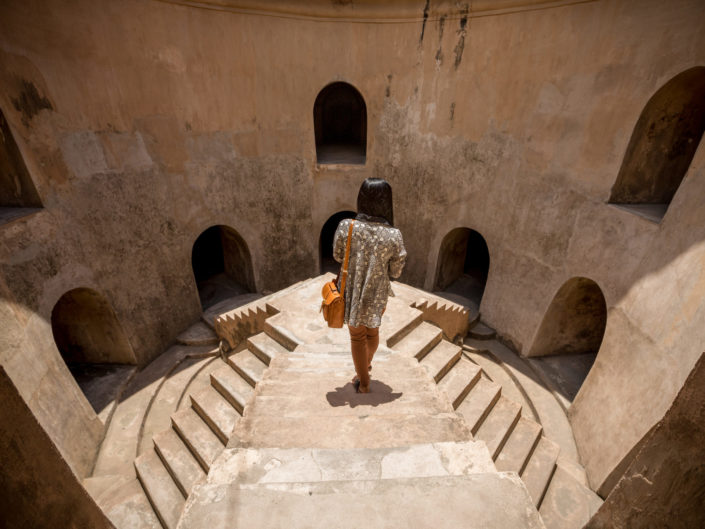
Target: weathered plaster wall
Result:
[142, 123]
[665, 484]
[38, 487]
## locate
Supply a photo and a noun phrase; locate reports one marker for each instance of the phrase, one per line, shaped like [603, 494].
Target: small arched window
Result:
[340, 124]
[662, 146]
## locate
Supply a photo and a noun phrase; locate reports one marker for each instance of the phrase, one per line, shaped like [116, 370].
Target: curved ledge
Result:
[372, 11]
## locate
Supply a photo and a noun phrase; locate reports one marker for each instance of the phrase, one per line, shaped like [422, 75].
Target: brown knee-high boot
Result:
[358, 345]
[372, 343]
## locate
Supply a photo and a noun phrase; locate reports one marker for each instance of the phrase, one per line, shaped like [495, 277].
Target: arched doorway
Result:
[340, 125]
[221, 265]
[93, 344]
[570, 334]
[662, 145]
[463, 265]
[325, 241]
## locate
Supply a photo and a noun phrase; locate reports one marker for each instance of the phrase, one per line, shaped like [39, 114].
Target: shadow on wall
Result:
[222, 265]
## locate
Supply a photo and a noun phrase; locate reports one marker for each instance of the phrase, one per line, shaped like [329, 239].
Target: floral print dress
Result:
[376, 253]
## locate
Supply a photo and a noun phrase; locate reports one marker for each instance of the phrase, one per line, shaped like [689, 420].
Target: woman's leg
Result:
[358, 345]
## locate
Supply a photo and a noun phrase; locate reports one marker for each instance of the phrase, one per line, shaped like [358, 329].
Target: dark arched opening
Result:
[463, 266]
[92, 342]
[340, 124]
[18, 196]
[570, 334]
[325, 242]
[662, 146]
[221, 265]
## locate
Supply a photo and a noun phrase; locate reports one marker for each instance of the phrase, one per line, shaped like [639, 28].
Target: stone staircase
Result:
[516, 442]
[245, 423]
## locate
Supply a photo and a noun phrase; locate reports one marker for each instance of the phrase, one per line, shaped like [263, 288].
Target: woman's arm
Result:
[340, 240]
[398, 260]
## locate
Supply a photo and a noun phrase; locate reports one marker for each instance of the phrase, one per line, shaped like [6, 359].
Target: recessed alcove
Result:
[18, 196]
[340, 124]
[570, 334]
[221, 265]
[662, 146]
[93, 344]
[463, 266]
[325, 241]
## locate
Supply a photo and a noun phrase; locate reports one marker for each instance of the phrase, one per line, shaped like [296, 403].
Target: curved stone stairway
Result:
[274, 430]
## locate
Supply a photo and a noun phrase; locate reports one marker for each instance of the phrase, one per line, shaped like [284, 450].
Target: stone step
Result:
[498, 424]
[279, 328]
[178, 460]
[551, 415]
[567, 503]
[222, 307]
[420, 341]
[121, 442]
[265, 347]
[398, 321]
[349, 431]
[459, 381]
[441, 359]
[217, 412]
[249, 366]
[480, 331]
[495, 370]
[539, 469]
[200, 381]
[198, 334]
[198, 436]
[479, 402]
[100, 488]
[254, 466]
[235, 389]
[519, 446]
[167, 399]
[128, 507]
[163, 494]
[491, 500]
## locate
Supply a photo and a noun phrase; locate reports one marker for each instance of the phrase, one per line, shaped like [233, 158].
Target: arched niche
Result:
[325, 241]
[662, 145]
[570, 334]
[463, 264]
[87, 331]
[16, 187]
[222, 265]
[340, 124]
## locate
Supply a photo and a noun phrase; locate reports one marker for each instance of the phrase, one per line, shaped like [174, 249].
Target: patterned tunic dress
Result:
[376, 253]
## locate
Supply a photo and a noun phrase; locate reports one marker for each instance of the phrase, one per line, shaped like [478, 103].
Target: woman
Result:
[376, 253]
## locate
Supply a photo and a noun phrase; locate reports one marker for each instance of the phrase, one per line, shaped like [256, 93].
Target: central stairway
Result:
[268, 431]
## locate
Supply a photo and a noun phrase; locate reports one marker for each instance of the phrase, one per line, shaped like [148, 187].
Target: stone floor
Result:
[565, 373]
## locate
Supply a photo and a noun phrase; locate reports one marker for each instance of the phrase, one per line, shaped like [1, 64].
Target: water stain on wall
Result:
[29, 102]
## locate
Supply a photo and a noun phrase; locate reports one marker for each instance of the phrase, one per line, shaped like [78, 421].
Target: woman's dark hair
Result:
[375, 200]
